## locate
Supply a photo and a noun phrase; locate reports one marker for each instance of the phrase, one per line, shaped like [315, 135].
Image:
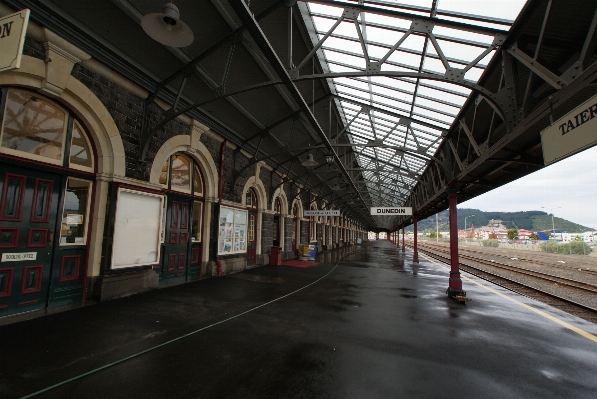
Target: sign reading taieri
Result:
[323, 212]
[572, 133]
[12, 38]
[392, 211]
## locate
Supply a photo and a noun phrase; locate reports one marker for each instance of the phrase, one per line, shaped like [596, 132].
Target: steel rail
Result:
[563, 299]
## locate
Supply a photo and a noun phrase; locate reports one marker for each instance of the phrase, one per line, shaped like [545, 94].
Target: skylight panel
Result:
[473, 74]
[435, 116]
[386, 20]
[483, 41]
[322, 24]
[504, 9]
[437, 105]
[324, 9]
[402, 58]
[433, 93]
[346, 28]
[336, 67]
[345, 59]
[434, 65]
[384, 36]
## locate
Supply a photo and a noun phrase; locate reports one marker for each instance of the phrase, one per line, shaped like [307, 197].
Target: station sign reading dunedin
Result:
[12, 38]
[392, 211]
[572, 133]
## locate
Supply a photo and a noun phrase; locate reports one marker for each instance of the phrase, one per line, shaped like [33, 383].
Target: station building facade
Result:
[82, 219]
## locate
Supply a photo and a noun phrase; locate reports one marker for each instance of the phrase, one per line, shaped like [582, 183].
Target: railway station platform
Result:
[364, 323]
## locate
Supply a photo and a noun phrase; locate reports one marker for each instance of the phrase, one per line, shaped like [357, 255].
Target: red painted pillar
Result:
[403, 249]
[455, 283]
[415, 249]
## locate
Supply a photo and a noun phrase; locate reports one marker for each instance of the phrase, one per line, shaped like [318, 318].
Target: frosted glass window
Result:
[181, 173]
[80, 150]
[33, 126]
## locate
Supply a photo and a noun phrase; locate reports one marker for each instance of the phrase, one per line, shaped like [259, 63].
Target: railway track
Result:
[519, 259]
[572, 296]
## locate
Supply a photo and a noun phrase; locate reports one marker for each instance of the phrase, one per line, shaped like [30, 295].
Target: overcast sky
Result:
[570, 184]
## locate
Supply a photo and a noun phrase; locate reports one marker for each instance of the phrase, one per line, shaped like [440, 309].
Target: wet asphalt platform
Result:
[375, 326]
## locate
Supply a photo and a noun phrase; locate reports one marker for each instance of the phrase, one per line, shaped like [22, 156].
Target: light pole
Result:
[470, 216]
[465, 221]
[553, 226]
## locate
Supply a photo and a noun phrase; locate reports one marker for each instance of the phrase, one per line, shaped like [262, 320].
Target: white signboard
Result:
[19, 256]
[12, 38]
[321, 213]
[137, 229]
[572, 133]
[392, 211]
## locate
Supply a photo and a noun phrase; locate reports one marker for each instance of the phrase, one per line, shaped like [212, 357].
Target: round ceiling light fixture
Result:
[310, 161]
[166, 27]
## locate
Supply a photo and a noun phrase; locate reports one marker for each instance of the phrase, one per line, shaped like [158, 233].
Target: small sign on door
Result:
[18, 256]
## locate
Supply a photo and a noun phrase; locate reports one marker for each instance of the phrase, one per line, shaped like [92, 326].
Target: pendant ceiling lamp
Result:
[310, 161]
[166, 27]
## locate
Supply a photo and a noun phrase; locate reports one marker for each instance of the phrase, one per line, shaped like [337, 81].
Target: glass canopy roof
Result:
[395, 123]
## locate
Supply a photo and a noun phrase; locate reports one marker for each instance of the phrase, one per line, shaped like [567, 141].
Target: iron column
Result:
[416, 252]
[455, 283]
[403, 237]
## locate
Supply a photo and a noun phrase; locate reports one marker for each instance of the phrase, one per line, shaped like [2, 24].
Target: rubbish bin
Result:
[275, 256]
[312, 250]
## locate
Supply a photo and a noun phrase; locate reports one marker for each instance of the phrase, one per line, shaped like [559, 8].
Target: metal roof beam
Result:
[405, 15]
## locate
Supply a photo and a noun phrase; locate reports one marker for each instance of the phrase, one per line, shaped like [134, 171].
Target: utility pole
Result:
[436, 228]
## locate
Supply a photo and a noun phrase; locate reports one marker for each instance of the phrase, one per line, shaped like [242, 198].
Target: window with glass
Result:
[196, 226]
[251, 231]
[39, 129]
[181, 173]
[75, 212]
[232, 231]
[251, 199]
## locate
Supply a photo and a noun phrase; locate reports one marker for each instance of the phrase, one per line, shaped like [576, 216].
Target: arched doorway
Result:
[252, 206]
[182, 222]
[47, 165]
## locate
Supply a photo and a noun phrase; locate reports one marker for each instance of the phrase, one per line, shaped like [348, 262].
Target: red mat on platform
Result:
[299, 263]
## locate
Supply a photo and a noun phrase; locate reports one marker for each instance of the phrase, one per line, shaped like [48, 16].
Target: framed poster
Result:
[232, 231]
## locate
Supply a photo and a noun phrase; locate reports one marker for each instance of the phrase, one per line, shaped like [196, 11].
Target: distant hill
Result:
[530, 220]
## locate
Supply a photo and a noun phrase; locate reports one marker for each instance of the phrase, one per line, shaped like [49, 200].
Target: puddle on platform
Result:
[258, 278]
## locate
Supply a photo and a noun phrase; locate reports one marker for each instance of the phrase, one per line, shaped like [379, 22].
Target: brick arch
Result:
[257, 185]
[201, 156]
[279, 193]
[77, 97]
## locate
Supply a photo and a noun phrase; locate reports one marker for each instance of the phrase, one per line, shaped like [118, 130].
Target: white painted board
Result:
[137, 229]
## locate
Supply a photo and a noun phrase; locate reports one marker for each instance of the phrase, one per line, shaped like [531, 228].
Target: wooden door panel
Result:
[28, 210]
[175, 248]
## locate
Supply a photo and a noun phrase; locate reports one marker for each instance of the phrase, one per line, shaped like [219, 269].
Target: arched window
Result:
[41, 130]
[181, 173]
[251, 199]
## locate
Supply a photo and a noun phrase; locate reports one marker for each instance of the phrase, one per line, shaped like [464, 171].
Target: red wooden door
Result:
[252, 239]
[176, 242]
[28, 212]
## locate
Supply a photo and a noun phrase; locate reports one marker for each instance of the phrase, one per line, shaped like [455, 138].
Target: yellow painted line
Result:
[524, 305]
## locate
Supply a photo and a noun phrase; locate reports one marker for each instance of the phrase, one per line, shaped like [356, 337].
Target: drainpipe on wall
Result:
[218, 206]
